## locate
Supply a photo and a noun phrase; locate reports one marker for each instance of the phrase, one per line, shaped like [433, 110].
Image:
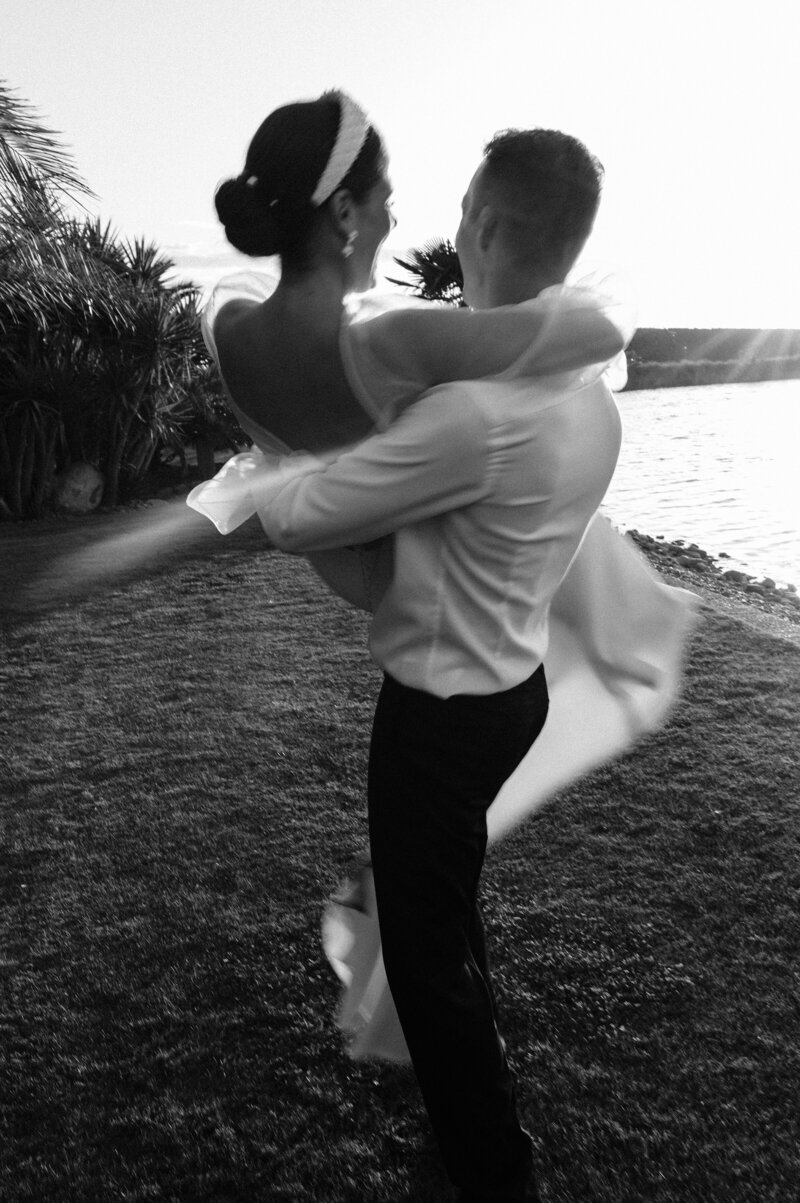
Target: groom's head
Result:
[526, 215]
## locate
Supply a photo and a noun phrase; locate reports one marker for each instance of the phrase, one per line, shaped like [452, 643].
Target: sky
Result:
[693, 106]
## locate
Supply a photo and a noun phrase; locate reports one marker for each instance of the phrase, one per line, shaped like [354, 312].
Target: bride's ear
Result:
[341, 208]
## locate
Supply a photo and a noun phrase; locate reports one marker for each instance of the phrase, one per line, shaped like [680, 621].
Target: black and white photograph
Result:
[399, 611]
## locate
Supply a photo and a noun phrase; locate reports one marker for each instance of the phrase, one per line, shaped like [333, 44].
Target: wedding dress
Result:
[617, 637]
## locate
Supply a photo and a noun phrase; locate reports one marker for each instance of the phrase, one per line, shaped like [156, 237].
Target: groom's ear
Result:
[487, 227]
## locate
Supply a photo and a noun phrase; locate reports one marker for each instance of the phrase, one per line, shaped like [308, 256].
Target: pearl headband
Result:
[353, 130]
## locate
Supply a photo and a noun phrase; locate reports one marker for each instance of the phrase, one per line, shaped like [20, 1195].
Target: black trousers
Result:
[435, 766]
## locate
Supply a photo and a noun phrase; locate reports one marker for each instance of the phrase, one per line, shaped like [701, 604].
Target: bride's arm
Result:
[565, 328]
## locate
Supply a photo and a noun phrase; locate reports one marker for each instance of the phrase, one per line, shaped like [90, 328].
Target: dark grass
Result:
[183, 759]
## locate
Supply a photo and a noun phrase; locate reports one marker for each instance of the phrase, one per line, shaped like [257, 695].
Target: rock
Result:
[738, 578]
[79, 489]
[755, 589]
[767, 583]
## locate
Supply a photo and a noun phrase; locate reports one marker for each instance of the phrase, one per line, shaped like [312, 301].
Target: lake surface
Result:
[717, 465]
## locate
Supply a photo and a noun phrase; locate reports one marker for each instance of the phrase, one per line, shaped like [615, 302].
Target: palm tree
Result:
[436, 272]
[100, 360]
[36, 177]
[56, 310]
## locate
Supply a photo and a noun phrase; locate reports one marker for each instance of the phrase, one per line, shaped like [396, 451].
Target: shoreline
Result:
[758, 603]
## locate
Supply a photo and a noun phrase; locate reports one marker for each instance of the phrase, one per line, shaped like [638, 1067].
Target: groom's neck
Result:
[511, 288]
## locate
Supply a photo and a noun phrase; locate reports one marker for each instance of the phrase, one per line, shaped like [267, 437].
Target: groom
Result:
[490, 487]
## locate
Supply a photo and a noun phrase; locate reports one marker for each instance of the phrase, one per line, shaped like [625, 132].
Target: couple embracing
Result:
[455, 460]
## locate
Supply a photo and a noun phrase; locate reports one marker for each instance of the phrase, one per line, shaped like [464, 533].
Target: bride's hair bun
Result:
[267, 210]
[249, 222]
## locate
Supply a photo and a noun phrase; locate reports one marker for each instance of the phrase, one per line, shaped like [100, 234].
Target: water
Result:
[716, 465]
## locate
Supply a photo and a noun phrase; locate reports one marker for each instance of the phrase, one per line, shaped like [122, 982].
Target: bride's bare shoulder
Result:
[234, 310]
[234, 320]
[236, 298]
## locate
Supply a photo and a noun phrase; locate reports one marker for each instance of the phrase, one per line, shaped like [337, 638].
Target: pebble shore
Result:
[692, 567]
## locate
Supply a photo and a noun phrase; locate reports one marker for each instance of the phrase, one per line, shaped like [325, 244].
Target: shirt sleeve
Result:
[432, 459]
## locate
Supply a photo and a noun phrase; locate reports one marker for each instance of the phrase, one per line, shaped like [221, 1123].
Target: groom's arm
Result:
[431, 460]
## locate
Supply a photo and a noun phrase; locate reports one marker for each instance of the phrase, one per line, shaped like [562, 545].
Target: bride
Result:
[308, 367]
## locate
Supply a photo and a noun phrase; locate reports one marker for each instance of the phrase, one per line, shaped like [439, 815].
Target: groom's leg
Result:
[477, 944]
[435, 766]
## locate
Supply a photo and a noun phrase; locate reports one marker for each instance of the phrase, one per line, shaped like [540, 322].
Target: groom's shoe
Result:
[520, 1189]
[531, 1195]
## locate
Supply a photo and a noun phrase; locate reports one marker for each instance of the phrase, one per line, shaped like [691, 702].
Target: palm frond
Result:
[28, 148]
[435, 271]
[51, 286]
[27, 204]
[96, 241]
[146, 263]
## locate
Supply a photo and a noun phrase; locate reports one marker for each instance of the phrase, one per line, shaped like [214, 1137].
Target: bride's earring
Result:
[347, 249]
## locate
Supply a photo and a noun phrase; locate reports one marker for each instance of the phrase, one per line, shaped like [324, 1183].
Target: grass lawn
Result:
[182, 764]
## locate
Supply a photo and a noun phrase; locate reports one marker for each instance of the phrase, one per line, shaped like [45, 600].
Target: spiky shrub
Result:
[96, 361]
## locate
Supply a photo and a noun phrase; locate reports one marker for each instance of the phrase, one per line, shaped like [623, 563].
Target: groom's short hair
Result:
[547, 185]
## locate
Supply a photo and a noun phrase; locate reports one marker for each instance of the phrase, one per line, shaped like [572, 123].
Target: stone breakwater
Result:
[691, 563]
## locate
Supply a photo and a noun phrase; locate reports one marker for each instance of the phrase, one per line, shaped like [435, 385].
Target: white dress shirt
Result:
[490, 487]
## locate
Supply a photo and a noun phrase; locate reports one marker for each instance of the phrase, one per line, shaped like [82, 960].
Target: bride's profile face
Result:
[375, 221]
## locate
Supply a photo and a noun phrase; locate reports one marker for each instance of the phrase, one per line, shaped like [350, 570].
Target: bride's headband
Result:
[353, 130]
